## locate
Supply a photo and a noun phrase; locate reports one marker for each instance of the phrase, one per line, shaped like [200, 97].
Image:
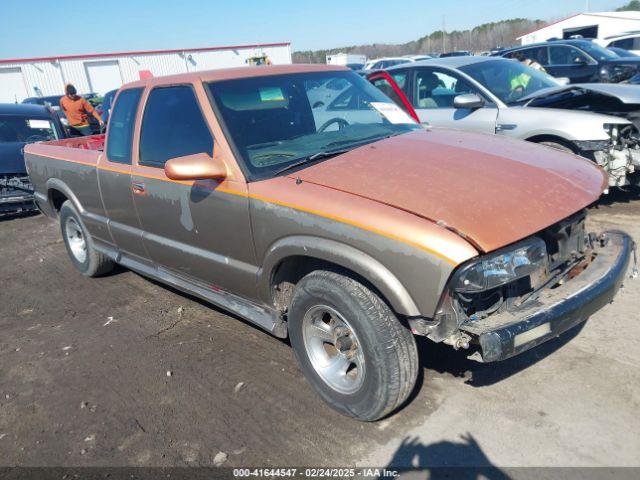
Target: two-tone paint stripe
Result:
[272, 201]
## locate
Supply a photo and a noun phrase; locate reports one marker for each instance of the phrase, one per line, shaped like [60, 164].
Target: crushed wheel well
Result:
[292, 269]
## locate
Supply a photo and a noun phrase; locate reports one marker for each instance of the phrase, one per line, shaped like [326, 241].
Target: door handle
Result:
[138, 188]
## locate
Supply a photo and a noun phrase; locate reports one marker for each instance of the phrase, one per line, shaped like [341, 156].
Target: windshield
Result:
[26, 130]
[509, 80]
[598, 52]
[280, 120]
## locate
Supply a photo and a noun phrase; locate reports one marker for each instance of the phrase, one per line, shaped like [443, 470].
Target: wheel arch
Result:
[289, 259]
[548, 137]
[57, 193]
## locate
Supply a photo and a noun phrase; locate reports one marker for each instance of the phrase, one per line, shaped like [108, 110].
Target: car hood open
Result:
[629, 94]
[490, 190]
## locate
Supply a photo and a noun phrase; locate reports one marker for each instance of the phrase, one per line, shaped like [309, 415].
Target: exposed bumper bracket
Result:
[507, 334]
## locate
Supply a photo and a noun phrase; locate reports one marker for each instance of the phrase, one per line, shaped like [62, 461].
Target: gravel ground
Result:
[122, 371]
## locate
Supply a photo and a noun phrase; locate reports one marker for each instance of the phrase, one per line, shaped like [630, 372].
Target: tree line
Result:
[481, 38]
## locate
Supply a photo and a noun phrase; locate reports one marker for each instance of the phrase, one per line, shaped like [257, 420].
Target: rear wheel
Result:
[79, 243]
[351, 346]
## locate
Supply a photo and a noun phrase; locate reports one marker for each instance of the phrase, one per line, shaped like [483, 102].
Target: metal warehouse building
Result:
[99, 73]
[588, 25]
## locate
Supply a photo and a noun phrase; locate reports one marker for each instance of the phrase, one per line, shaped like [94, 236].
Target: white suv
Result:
[629, 41]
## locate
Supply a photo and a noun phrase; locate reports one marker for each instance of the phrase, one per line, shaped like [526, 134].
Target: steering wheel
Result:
[516, 93]
[340, 121]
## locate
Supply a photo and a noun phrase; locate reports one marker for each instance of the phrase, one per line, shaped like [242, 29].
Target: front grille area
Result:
[567, 245]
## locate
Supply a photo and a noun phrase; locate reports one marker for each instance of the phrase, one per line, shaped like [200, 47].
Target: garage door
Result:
[12, 88]
[103, 76]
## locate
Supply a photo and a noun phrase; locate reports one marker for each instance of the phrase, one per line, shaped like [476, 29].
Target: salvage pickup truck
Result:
[348, 228]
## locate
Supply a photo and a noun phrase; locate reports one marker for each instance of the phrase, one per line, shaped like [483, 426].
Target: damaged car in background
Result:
[19, 125]
[505, 97]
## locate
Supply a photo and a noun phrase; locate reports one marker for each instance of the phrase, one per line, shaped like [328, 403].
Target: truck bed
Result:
[92, 142]
[67, 169]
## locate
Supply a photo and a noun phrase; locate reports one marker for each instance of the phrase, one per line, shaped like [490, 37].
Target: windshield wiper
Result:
[311, 158]
[333, 153]
[365, 140]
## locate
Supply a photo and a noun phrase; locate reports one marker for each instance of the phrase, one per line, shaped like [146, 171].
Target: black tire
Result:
[558, 146]
[93, 263]
[388, 348]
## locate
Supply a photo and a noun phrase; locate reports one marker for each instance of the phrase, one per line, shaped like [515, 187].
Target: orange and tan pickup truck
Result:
[302, 199]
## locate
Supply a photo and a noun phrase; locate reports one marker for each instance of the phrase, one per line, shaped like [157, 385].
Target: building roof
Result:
[139, 52]
[632, 15]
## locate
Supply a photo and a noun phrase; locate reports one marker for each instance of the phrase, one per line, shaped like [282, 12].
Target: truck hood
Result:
[490, 190]
[11, 158]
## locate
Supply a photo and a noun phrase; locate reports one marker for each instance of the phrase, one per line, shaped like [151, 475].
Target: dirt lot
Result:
[122, 371]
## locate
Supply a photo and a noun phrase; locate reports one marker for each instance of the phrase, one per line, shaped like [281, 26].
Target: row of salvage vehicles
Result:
[599, 121]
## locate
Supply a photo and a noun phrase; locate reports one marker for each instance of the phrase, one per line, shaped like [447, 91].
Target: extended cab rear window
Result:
[121, 126]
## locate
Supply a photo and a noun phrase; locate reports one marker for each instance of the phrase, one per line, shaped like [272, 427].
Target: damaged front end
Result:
[619, 156]
[508, 301]
[16, 193]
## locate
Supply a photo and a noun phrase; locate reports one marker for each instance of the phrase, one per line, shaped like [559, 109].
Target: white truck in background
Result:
[347, 59]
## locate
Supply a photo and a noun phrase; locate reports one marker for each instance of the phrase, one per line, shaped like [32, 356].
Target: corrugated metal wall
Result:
[50, 76]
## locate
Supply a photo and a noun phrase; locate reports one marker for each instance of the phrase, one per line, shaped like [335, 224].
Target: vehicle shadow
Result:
[4, 217]
[437, 357]
[617, 196]
[442, 358]
[445, 459]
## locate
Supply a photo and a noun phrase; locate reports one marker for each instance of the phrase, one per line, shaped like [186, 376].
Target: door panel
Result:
[433, 95]
[197, 229]
[114, 176]
[570, 62]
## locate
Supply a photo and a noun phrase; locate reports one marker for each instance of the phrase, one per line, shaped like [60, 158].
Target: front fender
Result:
[340, 254]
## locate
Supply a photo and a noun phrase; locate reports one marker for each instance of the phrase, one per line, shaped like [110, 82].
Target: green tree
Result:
[633, 5]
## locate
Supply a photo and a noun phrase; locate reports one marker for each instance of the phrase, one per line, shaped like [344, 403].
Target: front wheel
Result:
[350, 345]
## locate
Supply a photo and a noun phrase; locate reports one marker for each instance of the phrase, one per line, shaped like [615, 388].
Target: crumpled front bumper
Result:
[504, 335]
[16, 194]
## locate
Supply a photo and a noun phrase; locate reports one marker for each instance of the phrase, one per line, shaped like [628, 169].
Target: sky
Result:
[32, 28]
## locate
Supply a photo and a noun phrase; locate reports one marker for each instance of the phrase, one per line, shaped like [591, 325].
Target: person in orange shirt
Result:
[77, 111]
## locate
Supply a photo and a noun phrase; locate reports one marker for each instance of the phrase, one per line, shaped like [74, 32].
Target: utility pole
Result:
[444, 35]
[586, 6]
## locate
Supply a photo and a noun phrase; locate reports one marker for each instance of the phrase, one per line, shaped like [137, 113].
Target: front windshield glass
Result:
[509, 80]
[19, 129]
[281, 120]
[598, 52]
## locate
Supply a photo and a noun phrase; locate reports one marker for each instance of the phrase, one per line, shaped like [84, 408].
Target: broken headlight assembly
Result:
[522, 260]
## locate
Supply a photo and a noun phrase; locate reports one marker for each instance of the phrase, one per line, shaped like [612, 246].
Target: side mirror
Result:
[469, 101]
[199, 166]
[563, 80]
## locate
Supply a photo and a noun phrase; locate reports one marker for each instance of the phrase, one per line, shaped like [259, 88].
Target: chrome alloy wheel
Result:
[333, 349]
[76, 240]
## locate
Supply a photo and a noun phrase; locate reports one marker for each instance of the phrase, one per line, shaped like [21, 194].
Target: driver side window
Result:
[436, 89]
[564, 55]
